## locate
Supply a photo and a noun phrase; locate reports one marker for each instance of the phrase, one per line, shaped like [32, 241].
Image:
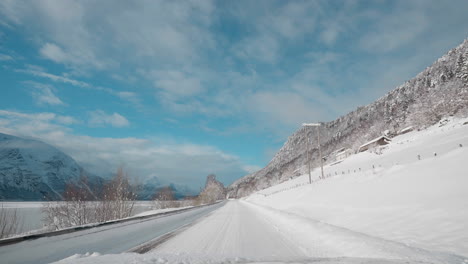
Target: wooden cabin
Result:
[380, 141]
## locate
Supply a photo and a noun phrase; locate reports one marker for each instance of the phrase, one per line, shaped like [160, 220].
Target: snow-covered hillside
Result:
[415, 192]
[33, 170]
[441, 90]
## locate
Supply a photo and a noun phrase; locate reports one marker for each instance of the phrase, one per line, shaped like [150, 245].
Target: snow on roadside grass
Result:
[158, 211]
[395, 196]
[78, 256]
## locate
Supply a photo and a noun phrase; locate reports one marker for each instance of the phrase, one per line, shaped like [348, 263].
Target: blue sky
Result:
[181, 89]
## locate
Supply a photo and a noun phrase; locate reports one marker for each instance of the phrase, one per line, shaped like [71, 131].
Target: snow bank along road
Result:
[242, 232]
[116, 238]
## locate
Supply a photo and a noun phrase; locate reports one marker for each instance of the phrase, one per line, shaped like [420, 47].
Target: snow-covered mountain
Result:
[33, 170]
[441, 90]
[146, 190]
[151, 186]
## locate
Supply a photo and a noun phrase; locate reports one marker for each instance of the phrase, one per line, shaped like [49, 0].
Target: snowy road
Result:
[244, 230]
[115, 238]
[236, 230]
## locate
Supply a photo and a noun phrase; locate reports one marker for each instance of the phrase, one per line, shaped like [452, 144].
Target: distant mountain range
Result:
[441, 90]
[32, 170]
[152, 186]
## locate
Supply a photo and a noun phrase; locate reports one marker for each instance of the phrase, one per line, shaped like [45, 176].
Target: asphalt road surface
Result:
[116, 238]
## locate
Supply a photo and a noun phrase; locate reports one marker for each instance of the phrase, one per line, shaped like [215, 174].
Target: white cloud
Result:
[168, 31]
[293, 20]
[264, 48]
[129, 96]
[339, 22]
[4, 57]
[282, 108]
[66, 120]
[391, 32]
[323, 57]
[330, 34]
[34, 123]
[11, 11]
[39, 72]
[176, 83]
[168, 159]
[54, 53]
[99, 118]
[46, 96]
[43, 94]
[276, 27]
[126, 95]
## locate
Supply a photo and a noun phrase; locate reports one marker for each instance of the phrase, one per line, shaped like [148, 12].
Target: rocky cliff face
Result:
[213, 191]
[439, 91]
[33, 170]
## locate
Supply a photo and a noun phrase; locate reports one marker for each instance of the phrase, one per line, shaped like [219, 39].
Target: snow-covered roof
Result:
[341, 153]
[375, 140]
[339, 150]
[406, 129]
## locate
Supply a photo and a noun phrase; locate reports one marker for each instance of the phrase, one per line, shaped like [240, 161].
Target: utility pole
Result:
[319, 148]
[308, 159]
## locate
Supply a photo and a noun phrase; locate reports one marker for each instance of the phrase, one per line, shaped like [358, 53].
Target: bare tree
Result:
[81, 206]
[76, 209]
[165, 198]
[118, 198]
[165, 194]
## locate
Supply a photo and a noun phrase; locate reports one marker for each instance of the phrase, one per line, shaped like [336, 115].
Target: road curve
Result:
[116, 238]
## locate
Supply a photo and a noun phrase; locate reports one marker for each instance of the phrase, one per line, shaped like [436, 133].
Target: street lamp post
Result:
[317, 125]
[308, 160]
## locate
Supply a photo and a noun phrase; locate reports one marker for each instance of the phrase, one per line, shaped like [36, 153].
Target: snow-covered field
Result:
[421, 203]
[31, 216]
[29, 213]
[394, 207]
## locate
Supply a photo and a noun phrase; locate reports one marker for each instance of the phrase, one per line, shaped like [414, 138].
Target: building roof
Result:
[339, 150]
[375, 140]
[406, 129]
[342, 152]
